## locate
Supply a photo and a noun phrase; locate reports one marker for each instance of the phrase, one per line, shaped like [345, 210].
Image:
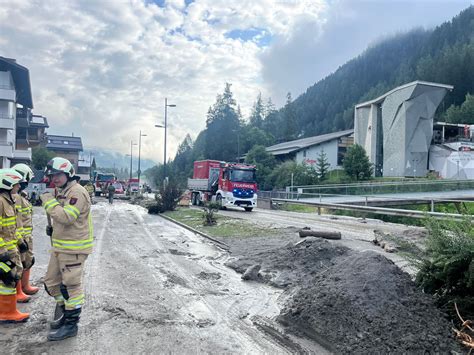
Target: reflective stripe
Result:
[73, 244]
[7, 290]
[9, 221]
[5, 267]
[72, 211]
[59, 299]
[11, 244]
[2, 243]
[50, 204]
[75, 301]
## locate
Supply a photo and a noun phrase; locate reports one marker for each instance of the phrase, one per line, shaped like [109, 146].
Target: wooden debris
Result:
[320, 234]
[466, 334]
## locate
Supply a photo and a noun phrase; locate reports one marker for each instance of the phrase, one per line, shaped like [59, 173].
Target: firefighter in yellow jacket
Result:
[72, 238]
[10, 261]
[24, 213]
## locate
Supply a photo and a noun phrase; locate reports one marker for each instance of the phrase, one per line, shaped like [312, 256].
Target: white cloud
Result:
[102, 69]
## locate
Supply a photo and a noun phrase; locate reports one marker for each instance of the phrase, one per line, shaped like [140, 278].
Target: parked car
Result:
[119, 190]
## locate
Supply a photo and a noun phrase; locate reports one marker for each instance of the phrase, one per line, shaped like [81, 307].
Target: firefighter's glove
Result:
[4, 257]
[49, 231]
[23, 246]
[6, 274]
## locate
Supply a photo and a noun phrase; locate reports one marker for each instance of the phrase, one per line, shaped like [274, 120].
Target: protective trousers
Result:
[15, 256]
[63, 279]
[27, 257]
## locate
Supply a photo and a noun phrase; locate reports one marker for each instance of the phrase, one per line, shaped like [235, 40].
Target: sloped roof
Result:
[64, 143]
[293, 146]
[417, 82]
[21, 78]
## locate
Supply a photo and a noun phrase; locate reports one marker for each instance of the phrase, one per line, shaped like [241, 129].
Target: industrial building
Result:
[396, 129]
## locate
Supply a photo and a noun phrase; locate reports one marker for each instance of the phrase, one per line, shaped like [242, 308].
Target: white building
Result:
[307, 150]
[15, 91]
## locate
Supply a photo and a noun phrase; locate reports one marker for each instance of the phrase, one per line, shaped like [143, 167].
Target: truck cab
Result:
[229, 184]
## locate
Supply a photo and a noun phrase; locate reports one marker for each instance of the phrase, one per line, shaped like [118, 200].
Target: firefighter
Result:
[111, 192]
[10, 261]
[72, 238]
[24, 212]
[90, 189]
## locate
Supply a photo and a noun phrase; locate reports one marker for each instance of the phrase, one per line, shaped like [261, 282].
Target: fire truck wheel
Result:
[219, 201]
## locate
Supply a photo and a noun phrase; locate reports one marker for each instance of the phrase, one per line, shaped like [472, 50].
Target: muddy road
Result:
[153, 287]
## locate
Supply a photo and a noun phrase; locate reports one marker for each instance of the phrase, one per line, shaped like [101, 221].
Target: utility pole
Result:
[131, 156]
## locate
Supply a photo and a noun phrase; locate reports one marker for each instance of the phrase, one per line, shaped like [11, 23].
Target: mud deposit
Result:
[348, 301]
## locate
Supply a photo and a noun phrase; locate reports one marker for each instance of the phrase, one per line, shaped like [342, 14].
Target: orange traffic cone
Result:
[20, 296]
[8, 311]
[25, 284]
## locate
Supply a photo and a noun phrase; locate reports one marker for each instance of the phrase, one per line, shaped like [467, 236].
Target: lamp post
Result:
[165, 127]
[131, 158]
[139, 152]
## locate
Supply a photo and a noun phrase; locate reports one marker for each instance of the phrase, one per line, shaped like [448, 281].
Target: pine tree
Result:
[322, 167]
[258, 113]
[289, 115]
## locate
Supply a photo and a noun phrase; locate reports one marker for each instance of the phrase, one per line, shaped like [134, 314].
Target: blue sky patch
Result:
[258, 35]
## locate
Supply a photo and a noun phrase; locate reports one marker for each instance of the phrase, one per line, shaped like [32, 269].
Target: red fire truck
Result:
[229, 184]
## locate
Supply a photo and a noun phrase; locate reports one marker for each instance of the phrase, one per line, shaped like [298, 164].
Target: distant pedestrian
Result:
[111, 192]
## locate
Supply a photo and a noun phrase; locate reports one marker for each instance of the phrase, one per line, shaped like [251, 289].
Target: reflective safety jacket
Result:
[8, 220]
[70, 211]
[24, 216]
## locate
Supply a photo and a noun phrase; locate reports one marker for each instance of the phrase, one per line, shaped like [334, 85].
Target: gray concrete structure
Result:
[396, 128]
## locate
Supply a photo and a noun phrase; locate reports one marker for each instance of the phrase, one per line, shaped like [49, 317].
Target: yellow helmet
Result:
[9, 178]
[24, 171]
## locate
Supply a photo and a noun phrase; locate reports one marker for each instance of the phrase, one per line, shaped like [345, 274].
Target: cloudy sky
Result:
[102, 68]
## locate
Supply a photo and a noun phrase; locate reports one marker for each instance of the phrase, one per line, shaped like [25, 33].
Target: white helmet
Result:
[24, 171]
[8, 178]
[59, 165]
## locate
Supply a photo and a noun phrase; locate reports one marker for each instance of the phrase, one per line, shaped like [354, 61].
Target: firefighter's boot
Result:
[69, 328]
[20, 296]
[58, 319]
[8, 310]
[25, 284]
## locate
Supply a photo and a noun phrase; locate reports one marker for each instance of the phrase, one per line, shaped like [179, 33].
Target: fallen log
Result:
[320, 234]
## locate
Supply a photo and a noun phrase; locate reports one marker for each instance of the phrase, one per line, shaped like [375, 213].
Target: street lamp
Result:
[139, 151]
[131, 158]
[165, 127]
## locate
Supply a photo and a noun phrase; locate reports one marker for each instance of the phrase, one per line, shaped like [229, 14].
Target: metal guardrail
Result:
[380, 210]
[374, 188]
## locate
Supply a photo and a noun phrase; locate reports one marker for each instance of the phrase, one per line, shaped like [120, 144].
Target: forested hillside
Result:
[444, 55]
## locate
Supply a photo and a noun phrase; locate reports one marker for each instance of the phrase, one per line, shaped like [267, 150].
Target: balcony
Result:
[22, 154]
[6, 149]
[6, 121]
[7, 93]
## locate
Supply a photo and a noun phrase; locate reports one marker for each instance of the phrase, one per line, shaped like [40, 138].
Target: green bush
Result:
[209, 211]
[446, 267]
[166, 200]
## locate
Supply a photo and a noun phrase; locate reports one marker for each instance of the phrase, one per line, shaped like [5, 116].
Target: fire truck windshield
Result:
[237, 175]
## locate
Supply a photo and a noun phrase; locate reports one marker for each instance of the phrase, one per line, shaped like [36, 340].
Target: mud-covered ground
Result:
[346, 294]
[154, 288]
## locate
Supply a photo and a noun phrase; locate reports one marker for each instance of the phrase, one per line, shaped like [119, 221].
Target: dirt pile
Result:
[365, 304]
[290, 264]
[351, 302]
